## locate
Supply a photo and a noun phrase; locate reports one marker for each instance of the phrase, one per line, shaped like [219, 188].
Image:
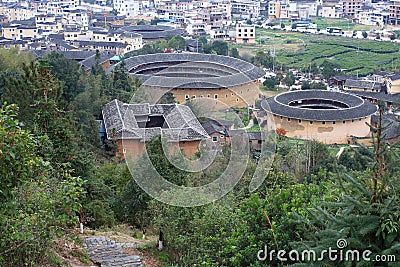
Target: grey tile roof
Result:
[131, 35]
[256, 136]
[213, 126]
[392, 75]
[342, 77]
[376, 95]
[56, 36]
[363, 84]
[236, 132]
[89, 62]
[37, 53]
[30, 21]
[391, 125]
[109, 18]
[151, 31]
[184, 70]
[122, 122]
[77, 55]
[72, 54]
[104, 44]
[355, 108]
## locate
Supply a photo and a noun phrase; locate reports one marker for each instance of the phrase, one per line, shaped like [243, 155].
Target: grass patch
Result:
[254, 128]
[81, 255]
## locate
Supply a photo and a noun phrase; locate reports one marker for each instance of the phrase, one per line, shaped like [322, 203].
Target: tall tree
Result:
[68, 72]
[38, 94]
[289, 79]
[262, 59]
[220, 47]
[329, 69]
[177, 42]
[34, 204]
[365, 209]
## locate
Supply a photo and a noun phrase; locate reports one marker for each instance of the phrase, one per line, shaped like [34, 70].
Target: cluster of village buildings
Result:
[78, 30]
[73, 24]
[337, 116]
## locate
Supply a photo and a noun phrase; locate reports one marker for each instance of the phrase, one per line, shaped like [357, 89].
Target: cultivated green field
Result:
[354, 56]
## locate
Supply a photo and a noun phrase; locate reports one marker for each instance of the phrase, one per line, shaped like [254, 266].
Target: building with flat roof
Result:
[245, 34]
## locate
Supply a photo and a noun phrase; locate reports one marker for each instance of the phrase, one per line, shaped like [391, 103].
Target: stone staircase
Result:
[109, 253]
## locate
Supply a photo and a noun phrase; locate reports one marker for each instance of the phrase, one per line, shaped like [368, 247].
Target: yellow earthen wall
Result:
[328, 133]
[238, 96]
[133, 147]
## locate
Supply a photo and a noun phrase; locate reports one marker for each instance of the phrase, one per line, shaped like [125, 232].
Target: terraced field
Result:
[354, 56]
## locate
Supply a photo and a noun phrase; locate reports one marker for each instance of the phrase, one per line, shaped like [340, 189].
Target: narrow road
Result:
[251, 123]
[340, 151]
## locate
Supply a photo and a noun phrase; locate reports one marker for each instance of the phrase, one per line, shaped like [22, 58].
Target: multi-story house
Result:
[224, 7]
[186, 5]
[303, 9]
[332, 11]
[274, 9]
[245, 34]
[56, 7]
[196, 26]
[19, 31]
[129, 8]
[134, 40]
[98, 38]
[219, 34]
[76, 17]
[74, 34]
[45, 18]
[370, 17]
[351, 7]
[394, 12]
[48, 23]
[17, 12]
[245, 9]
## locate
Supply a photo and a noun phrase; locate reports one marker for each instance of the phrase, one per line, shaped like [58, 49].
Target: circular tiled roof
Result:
[192, 70]
[318, 105]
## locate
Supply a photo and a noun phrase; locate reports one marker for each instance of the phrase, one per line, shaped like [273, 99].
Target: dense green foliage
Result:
[54, 169]
[38, 200]
[51, 157]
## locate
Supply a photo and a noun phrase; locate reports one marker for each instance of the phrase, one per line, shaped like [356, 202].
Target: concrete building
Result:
[129, 8]
[17, 12]
[219, 34]
[245, 9]
[351, 7]
[333, 11]
[245, 34]
[56, 7]
[394, 12]
[19, 31]
[77, 17]
[370, 17]
[274, 9]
